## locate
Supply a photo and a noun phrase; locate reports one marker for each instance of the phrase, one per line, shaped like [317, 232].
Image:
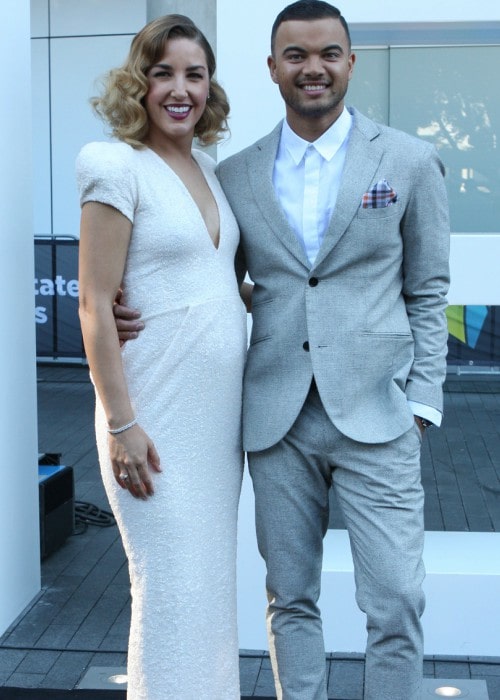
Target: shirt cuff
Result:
[427, 412]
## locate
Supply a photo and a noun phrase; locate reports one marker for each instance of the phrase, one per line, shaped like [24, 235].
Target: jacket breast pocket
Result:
[375, 214]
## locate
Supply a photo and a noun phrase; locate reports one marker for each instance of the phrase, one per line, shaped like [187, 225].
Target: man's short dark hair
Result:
[308, 10]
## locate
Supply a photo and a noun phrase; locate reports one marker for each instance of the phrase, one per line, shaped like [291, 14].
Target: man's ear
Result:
[352, 61]
[271, 64]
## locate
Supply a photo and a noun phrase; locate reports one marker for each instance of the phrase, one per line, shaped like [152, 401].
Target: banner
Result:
[474, 331]
[474, 335]
[58, 332]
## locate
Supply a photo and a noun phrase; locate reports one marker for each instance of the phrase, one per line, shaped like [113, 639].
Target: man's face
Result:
[312, 66]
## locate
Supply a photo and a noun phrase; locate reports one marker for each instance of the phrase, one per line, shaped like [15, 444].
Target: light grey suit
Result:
[367, 321]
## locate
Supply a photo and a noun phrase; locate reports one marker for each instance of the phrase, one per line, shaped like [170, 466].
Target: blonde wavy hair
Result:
[124, 89]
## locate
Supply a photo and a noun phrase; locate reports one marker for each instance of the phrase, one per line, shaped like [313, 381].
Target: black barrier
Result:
[474, 338]
[58, 334]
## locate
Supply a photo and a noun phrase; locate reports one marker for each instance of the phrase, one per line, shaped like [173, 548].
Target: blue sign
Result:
[58, 332]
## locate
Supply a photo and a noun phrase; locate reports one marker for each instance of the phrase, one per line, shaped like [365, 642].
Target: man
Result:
[345, 234]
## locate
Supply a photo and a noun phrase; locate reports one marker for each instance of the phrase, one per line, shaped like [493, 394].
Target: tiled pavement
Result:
[81, 617]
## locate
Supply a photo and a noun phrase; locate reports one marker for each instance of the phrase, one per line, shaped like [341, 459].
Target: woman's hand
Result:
[133, 456]
[128, 321]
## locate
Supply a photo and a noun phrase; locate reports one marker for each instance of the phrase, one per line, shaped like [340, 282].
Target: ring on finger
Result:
[123, 477]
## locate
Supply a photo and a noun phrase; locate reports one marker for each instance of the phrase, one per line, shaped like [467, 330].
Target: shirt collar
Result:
[327, 144]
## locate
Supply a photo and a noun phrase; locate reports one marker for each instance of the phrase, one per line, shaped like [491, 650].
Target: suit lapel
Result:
[362, 160]
[260, 165]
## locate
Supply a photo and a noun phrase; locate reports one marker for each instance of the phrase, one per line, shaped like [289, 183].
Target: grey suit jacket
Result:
[368, 319]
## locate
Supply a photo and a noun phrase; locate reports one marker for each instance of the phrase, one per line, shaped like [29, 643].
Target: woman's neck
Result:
[170, 150]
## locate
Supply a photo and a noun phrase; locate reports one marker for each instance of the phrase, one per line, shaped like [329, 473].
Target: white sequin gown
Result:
[184, 376]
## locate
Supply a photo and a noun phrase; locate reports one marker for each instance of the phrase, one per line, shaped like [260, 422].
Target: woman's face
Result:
[178, 91]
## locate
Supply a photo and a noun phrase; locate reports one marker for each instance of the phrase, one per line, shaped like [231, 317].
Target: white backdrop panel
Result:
[39, 17]
[256, 105]
[74, 17]
[19, 540]
[77, 64]
[41, 136]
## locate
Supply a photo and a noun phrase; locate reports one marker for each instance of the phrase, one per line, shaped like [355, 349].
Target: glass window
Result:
[448, 95]
[369, 86]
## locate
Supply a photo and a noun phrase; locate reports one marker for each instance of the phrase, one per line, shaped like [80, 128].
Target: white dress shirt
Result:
[306, 179]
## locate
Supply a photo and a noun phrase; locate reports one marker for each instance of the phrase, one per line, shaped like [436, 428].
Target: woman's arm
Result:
[104, 240]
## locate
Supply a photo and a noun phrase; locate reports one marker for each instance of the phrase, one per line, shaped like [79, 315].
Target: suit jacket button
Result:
[306, 346]
[313, 282]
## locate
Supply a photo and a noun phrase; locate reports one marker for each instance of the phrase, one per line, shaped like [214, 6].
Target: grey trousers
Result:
[379, 490]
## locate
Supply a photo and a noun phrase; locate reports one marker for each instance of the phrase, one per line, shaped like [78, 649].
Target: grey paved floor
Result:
[82, 614]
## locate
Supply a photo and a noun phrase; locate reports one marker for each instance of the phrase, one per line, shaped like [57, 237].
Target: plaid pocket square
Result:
[381, 195]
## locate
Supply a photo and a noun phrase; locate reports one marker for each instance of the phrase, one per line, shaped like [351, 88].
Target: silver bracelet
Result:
[117, 431]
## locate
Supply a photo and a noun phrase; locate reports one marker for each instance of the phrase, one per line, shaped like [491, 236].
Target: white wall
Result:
[73, 43]
[19, 529]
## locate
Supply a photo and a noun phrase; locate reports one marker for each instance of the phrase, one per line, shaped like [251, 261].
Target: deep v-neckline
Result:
[215, 247]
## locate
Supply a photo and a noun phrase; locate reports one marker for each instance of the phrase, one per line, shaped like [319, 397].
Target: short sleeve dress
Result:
[184, 375]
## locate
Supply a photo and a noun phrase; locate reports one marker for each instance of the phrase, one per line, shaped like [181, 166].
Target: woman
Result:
[156, 224]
